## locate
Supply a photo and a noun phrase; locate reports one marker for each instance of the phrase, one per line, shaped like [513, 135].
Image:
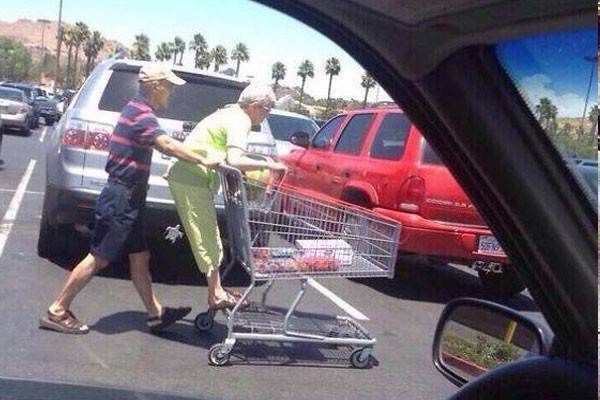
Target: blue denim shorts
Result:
[119, 228]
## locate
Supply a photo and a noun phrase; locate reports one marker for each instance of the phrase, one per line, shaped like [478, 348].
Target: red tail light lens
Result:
[411, 195]
[86, 135]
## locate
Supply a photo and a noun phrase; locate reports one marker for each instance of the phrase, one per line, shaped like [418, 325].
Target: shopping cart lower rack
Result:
[278, 233]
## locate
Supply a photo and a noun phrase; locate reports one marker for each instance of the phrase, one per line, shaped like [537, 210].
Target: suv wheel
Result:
[502, 284]
[26, 129]
[53, 242]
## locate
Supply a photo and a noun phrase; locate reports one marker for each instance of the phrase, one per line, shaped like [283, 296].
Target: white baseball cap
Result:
[257, 92]
[157, 72]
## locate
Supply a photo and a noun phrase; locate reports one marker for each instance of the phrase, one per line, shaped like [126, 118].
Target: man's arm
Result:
[238, 158]
[169, 146]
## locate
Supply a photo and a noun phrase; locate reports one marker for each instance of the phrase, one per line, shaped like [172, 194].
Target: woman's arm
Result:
[239, 159]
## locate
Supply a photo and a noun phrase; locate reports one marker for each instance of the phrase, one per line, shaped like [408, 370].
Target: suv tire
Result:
[504, 284]
[53, 242]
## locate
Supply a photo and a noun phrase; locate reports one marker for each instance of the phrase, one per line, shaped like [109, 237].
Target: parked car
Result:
[15, 110]
[32, 99]
[282, 124]
[457, 68]
[376, 158]
[48, 110]
[78, 147]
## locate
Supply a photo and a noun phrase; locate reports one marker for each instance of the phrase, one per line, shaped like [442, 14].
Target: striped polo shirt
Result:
[130, 150]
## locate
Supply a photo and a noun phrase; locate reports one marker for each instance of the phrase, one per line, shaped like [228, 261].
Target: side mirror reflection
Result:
[475, 336]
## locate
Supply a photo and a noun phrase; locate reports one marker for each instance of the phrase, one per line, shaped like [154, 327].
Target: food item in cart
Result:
[318, 264]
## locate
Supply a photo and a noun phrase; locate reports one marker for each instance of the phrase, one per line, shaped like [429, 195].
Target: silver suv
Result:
[78, 147]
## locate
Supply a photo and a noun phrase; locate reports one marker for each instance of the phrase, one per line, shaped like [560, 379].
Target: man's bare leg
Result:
[77, 280]
[139, 265]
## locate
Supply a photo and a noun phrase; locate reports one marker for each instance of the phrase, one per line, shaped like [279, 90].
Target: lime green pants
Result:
[195, 206]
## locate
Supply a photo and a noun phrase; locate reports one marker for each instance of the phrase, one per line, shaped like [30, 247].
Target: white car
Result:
[283, 124]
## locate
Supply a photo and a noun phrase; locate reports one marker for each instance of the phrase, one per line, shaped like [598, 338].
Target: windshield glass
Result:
[283, 126]
[555, 75]
[10, 95]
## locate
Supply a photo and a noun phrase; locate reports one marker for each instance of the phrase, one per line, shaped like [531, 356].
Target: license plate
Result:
[489, 245]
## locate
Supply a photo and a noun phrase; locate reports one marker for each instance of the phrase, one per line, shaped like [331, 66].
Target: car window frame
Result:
[333, 120]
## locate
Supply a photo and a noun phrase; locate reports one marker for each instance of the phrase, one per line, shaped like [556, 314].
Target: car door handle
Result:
[318, 166]
[346, 173]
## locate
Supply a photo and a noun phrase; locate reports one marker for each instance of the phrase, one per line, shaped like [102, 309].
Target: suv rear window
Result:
[10, 95]
[429, 156]
[390, 140]
[283, 126]
[199, 97]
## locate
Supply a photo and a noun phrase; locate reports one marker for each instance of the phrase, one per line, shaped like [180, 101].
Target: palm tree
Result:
[141, 48]
[332, 68]
[205, 60]
[593, 118]
[163, 52]
[92, 47]
[546, 112]
[277, 73]
[82, 34]
[306, 70]
[68, 37]
[200, 46]
[367, 82]
[219, 56]
[179, 46]
[240, 53]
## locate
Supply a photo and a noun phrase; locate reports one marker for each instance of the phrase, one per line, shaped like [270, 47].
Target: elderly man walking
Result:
[119, 214]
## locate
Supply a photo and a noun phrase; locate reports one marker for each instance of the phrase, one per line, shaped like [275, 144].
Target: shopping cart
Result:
[278, 233]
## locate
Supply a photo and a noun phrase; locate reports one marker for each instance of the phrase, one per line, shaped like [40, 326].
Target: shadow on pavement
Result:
[416, 279]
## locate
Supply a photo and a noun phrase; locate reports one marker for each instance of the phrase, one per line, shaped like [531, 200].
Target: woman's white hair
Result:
[256, 92]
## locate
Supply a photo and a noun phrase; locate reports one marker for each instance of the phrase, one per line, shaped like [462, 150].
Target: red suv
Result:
[377, 159]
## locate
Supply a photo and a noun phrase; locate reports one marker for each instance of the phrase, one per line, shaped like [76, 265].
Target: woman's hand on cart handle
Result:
[277, 166]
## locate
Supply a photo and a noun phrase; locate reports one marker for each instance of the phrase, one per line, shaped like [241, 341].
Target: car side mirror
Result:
[300, 139]
[474, 336]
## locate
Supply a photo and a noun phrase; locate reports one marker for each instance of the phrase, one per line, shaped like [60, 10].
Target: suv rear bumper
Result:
[422, 236]
[76, 207]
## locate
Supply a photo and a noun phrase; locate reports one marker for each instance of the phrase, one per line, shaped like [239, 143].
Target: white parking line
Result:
[26, 192]
[13, 207]
[351, 311]
[43, 134]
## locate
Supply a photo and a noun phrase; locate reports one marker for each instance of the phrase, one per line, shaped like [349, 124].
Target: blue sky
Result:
[553, 66]
[269, 35]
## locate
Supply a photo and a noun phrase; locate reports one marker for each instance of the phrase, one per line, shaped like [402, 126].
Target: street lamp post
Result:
[43, 52]
[58, 43]
[593, 60]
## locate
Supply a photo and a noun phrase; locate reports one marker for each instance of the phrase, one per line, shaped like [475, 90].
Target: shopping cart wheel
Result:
[204, 321]
[216, 356]
[361, 359]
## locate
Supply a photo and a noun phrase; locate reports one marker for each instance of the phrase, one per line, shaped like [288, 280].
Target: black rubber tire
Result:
[505, 284]
[216, 357]
[204, 322]
[358, 361]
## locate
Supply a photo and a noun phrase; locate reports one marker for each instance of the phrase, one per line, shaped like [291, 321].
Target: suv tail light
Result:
[411, 195]
[86, 135]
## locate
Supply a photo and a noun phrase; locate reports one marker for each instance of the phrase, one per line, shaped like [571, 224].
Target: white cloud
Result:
[538, 86]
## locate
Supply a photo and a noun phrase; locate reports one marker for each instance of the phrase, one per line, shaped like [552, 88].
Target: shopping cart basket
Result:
[278, 233]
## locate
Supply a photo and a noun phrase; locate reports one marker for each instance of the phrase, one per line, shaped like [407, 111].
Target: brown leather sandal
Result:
[64, 323]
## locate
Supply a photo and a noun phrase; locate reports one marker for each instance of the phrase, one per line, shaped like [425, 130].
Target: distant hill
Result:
[29, 33]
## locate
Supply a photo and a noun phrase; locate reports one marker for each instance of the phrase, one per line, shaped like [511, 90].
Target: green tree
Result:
[277, 73]
[306, 70]
[593, 118]
[68, 37]
[15, 60]
[179, 46]
[239, 54]
[141, 48]
[200, 47]
[332, 68]
[219, 56]
[546, 113]
[82, 34]
[91, 50]
[368, 83]
[164, 52]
